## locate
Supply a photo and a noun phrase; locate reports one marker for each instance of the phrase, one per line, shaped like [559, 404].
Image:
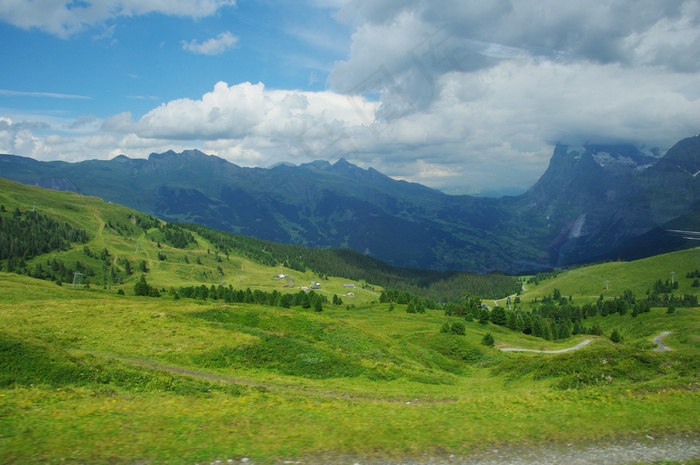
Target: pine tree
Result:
[488, 340]
[615, 336]
[411, 307]
[498, 316]
[484, 316]
[537, 327]
[512, 321]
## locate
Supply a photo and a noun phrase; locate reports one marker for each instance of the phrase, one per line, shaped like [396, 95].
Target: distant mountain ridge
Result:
[592, 203]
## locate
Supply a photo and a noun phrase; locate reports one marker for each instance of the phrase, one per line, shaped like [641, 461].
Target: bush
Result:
[615, 336]
[454, 327]
[488, 340]
[458, 328]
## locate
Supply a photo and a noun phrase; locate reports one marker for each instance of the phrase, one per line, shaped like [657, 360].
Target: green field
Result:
[91, 376]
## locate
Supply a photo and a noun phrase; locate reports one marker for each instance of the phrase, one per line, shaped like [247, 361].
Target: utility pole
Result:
[672, 273]
[137, 247]
[76, 278]
[607, 285]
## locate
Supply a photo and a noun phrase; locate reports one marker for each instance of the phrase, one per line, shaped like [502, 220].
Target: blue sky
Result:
[466, 97]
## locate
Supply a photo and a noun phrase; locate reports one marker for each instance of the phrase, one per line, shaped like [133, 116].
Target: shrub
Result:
[615, 336]
[488, 340]
[458, 328]
[454, 327]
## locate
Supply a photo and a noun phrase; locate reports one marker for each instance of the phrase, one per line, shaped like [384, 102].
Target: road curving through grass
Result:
[559, 351]
[660, 346]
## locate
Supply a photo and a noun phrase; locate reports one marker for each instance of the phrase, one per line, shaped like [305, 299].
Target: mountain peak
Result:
[622, 156]
[193, 154]
[317, 164]
[685, 154]
[283, 164]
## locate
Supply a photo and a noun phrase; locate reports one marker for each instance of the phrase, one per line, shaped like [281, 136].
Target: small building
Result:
[349, 286]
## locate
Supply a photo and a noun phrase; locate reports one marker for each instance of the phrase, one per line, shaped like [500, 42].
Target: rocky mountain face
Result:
[591, 203]
[575, 205]
[594, 201]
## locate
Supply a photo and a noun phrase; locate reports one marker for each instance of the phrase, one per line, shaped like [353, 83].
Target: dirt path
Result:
[269, 386]
[560, 351]
[679, 448]
[661, 347]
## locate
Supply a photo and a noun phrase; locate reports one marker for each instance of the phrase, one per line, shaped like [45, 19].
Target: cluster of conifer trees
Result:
[555, 316]
[304, 299]
[176, 236]
[25, 235]
[142, 288]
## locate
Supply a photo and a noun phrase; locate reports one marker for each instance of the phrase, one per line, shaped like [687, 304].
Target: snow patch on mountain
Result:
[606, 159]
[576, 230]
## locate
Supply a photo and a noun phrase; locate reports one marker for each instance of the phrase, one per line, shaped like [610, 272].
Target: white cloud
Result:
[19, 138]
[249, 110]
[65, 18]
[17, 93]
[214, 46]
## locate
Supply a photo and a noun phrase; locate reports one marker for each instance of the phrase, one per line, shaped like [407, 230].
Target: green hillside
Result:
[613, 278]
[92, 373]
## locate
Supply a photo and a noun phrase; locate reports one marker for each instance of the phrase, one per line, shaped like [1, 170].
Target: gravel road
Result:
[560, 351]
[661, 347]
[681, 448]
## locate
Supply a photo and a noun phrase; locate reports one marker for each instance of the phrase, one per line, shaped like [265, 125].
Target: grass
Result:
[588, 283]
[402, 389]
[89, 376]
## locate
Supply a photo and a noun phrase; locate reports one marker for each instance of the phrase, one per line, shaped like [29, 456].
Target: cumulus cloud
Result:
[214, 46]
[295, 120]
[18, 137]
[65, 18]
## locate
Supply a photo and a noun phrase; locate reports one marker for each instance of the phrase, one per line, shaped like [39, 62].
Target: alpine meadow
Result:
[350, 232]
[126, 339]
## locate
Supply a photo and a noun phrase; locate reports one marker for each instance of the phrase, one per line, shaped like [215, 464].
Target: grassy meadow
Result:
[88, 375]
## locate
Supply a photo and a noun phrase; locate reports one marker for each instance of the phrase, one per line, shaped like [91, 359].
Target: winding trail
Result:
[349, 396]
[679, 448]
[661, 347]
[560, 351]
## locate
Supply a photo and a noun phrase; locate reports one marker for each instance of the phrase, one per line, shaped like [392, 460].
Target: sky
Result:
[465, 96]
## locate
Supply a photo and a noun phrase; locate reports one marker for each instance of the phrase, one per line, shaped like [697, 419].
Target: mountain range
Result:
[596, 202]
